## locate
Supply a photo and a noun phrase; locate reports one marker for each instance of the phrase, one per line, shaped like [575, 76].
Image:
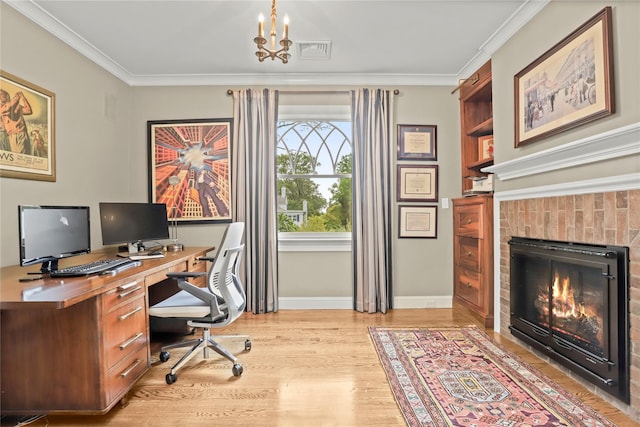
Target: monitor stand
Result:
[49, 266]
[137, 248]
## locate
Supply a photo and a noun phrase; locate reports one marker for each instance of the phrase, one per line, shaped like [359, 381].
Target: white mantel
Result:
[620, 142]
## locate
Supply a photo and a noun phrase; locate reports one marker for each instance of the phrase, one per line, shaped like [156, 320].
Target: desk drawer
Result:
[122, 376]
[125, 330]
[127, 290]
[161, 275]
[467, 220]
[468, 286]
[469, 253]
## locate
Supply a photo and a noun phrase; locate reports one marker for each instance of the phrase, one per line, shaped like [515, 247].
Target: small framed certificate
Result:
[418, 221]
[417, 142]
[417, 183]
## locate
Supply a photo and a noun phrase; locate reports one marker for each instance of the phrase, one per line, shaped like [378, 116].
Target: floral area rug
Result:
[460, 377]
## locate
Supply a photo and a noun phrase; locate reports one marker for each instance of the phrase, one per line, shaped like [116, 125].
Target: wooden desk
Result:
[78, 344]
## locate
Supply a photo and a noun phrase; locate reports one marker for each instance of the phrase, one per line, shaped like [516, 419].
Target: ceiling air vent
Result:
[314, 50]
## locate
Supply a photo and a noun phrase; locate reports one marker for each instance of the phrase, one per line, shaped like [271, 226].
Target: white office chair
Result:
[216, 306]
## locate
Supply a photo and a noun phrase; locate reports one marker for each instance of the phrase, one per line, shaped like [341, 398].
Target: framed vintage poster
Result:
[569, 85]
[189, 168]
[418, 221]
[417, 183]
[417, 142]
[27, 135]
[485, 147]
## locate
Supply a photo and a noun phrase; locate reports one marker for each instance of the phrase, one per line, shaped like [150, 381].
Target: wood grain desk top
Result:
[61, 292]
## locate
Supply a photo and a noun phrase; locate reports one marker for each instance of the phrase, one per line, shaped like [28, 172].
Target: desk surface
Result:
[61, 292]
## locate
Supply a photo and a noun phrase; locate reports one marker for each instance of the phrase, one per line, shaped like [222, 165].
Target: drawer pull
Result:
[127, 286]
[125, 294]
[469, 221]
[131, 368]
[131, 313]
[130, 341]
[469, 254]
[468, 284]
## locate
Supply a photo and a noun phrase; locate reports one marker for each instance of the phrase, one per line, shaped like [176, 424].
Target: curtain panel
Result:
[372, 240]
[253, 176]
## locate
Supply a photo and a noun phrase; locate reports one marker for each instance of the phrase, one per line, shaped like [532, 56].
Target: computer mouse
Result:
[155, 253]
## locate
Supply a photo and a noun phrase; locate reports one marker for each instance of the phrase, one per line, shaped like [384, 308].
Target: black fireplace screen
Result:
[571, 301]
[568, 297]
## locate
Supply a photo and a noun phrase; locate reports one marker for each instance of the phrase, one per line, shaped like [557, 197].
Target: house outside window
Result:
[313, 163]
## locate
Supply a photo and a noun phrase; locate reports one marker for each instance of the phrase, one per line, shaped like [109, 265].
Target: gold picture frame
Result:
[485, 148]
[27, 134]
[569, 85]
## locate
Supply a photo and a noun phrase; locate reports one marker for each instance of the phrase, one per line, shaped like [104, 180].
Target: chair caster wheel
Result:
[247, 345]
[171, 378]
[237, 370]
[164, 356]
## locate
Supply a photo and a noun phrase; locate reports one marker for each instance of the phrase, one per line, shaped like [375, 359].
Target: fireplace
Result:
[571, 302]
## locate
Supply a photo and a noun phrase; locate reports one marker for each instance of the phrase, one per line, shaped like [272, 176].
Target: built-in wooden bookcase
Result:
[476, 115]
[473, 214]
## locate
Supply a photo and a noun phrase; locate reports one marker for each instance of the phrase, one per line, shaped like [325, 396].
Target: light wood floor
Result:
[306, 368]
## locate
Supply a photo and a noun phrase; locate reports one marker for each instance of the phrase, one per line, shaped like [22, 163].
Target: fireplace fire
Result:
[570, 301]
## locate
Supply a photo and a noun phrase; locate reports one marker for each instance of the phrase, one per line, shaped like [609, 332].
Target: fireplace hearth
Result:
[570, 301]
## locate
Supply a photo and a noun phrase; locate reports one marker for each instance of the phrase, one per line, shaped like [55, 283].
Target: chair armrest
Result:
[186, 274]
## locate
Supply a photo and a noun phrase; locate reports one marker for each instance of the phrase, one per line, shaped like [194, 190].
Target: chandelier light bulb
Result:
[263, 51]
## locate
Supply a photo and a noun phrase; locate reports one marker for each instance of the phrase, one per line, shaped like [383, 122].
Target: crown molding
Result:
[511, 26]
[34, 12]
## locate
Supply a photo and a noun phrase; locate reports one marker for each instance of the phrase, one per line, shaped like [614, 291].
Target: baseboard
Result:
[423, 302]
[346, 303]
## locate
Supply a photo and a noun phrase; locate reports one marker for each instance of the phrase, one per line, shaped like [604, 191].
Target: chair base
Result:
[205, 343]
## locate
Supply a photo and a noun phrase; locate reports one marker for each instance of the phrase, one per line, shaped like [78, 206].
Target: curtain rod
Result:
[314, 92]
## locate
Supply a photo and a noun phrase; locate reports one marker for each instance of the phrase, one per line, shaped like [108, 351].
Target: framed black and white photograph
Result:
[418, 222]
[189, 168]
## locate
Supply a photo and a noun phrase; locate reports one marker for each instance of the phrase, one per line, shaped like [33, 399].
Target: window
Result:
[314, 158]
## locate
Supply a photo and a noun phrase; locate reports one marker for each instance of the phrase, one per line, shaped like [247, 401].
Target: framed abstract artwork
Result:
[189, 168]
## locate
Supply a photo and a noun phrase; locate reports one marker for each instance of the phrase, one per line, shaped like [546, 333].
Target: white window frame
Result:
[314, 242]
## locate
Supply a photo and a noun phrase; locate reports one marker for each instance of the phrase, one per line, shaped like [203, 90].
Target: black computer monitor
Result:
[49, 233]
[133, 223]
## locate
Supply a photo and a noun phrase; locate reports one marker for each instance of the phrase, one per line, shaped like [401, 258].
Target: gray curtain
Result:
[372, 116]
[254, 193]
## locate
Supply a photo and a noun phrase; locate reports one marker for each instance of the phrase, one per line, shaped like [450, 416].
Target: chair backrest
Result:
[223, 278]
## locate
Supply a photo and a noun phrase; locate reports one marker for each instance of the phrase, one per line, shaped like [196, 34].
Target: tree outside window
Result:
[314, 160]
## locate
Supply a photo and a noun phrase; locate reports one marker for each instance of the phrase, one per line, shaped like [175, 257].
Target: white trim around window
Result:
[314, 242]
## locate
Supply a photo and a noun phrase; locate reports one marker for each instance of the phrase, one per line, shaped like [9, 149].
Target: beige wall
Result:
[93, 158]
[103, 157]
[548, 27]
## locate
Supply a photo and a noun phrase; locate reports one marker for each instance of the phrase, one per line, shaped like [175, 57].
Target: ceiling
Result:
[171, 42]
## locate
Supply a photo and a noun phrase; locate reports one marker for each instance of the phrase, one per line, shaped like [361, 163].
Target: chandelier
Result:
[263, 52]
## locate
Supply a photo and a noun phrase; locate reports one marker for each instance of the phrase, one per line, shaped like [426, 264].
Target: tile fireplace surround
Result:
[605, 211]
